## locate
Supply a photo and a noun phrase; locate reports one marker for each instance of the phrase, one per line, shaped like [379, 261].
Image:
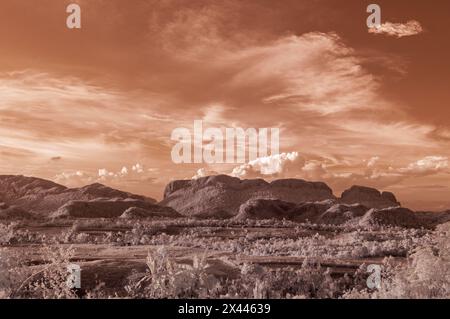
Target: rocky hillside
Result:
[223, 195]
[25, 196]
[369, 197]
[331, 213]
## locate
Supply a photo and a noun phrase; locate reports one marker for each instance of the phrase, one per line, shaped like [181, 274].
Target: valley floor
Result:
[188, 258]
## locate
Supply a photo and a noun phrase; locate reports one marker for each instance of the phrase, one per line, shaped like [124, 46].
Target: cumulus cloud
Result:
[123, 178]
[203, 172]
[284, 165]
[138, 168]
[74, 178]
[398, 30]
[135, 171]
[373, 161]
[274, 165]
[102, 172]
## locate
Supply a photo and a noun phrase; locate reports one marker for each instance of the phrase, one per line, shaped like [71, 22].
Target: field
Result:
[194, 258]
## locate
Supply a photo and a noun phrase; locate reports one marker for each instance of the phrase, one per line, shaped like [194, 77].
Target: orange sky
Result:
[99, 104]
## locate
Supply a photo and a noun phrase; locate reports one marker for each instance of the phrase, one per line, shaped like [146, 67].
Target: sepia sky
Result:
[354, 106]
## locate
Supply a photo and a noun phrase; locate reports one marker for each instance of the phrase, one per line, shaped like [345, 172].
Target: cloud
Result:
[426, 166]
[314, 87]
[136, 171]
[203, 172]
[74, 178]
[298, 83]
[123, 178]
[50, 116]
[274, 165]
[398, 30]
[224, 64]
[286, 72]
[293, 165]
[373, 161]
[284, 165]
[14, 152]
[138, 168]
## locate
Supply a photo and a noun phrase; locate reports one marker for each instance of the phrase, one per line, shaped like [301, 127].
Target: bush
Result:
[167, 279]
[426, 274]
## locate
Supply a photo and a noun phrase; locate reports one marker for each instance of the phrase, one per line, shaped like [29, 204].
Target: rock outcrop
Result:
[324, 212]
[277, 209]
[369, 197]
[331, 213]
[222, 195]
[395, 216]
[340, 213]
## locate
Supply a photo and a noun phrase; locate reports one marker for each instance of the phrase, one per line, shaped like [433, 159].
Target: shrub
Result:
[166, 279]
[49, 280]
[426, 274]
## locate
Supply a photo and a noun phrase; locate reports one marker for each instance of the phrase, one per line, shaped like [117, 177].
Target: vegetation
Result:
[415, 262]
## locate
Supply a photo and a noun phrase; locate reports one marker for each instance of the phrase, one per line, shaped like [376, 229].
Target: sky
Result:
[354, 106]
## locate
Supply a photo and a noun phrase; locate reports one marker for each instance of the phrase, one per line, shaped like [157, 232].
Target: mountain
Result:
[40, 196]
[30, 196]
[398, 216]
[369, 197]
[216, 197]
[222, 195]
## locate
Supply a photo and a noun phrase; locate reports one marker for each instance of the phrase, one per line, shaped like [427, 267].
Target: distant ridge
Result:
[214, 197]
[39, 196]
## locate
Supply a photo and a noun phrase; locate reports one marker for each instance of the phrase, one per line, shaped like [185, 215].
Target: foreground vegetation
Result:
[187, 258]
